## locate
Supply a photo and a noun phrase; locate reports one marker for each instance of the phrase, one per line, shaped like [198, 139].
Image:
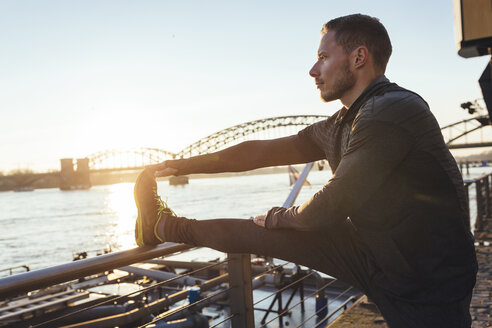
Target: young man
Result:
[390, 222]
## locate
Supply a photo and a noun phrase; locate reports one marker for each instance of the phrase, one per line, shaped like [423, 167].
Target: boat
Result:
[23, 189]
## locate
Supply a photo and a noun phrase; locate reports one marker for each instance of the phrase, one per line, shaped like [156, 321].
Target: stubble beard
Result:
[344, 81]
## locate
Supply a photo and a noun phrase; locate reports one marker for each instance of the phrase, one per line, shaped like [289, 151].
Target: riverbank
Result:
[52, 179]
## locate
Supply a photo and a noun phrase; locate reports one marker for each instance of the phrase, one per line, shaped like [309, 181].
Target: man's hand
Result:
[162, 169]
[260, 220]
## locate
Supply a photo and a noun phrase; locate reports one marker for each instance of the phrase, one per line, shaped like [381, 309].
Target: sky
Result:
[79, 77]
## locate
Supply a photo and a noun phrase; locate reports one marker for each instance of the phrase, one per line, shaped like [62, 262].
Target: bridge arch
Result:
[455, 132]
[279, 126]
[131, 158]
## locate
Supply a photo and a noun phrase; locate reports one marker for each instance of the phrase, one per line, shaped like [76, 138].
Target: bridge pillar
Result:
[82, 175]
[66, 174]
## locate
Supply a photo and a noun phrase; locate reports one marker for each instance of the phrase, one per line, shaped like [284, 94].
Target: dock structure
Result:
[365, 314]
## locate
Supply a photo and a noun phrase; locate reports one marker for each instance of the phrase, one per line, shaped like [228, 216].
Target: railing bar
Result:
[159, 318]
[285, 287]
[270, 270]
[297, 304]
[14, 267]
[28, 281]
[327, 304]
[129, 294]
[222, 321]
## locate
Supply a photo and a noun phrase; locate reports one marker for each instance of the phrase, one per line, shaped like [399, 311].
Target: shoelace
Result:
[163, 207]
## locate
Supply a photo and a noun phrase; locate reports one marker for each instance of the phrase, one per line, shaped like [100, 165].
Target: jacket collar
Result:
[376, 85]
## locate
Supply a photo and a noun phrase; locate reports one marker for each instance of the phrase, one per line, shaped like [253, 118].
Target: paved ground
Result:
[481, 306]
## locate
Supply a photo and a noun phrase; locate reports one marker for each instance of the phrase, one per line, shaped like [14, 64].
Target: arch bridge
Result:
[268, 128]
[456, 134]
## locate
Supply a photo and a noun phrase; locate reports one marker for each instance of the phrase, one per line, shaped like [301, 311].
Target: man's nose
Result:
[314, 72]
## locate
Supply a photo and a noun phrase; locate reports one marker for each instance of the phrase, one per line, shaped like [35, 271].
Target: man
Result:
[391, 220]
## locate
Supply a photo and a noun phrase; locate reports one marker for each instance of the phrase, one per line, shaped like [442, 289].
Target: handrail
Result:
[483, 198]
[32, 280]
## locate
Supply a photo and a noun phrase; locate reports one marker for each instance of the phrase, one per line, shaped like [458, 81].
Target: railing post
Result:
[479, 196]
[467, 195]
[239, 268]
[487, 195]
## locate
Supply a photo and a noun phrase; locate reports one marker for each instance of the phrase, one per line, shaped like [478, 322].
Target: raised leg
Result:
[333, 251]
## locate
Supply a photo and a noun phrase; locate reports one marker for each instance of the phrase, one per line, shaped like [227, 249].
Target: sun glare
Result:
[121, 203]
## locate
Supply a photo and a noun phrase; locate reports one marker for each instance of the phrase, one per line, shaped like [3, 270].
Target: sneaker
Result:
[151, 210]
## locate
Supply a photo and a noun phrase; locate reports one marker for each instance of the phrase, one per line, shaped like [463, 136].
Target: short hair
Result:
[357, 30]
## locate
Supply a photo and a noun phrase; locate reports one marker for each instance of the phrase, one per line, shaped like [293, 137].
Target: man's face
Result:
[331, 72]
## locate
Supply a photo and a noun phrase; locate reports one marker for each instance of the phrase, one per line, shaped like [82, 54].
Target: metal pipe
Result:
[28, 281]
[470, 145]
[297, 186]
[195, 320]
[162, 275]
[255, 268]
[182, 264]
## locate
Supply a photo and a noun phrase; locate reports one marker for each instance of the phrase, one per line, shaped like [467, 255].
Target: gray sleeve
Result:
[309, 140]
[375, 149]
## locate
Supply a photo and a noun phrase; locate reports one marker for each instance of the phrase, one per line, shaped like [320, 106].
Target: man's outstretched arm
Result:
[245, 156]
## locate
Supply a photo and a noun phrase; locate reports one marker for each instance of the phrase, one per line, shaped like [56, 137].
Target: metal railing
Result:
[482, 188]
[14, 269]
[32, 280]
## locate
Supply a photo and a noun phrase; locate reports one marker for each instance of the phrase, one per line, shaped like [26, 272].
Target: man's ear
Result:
[360, 56]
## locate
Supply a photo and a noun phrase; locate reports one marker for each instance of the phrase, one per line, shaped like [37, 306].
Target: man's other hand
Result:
[260, 220]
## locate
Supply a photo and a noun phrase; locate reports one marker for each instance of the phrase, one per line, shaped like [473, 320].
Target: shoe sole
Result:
[139, 238]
